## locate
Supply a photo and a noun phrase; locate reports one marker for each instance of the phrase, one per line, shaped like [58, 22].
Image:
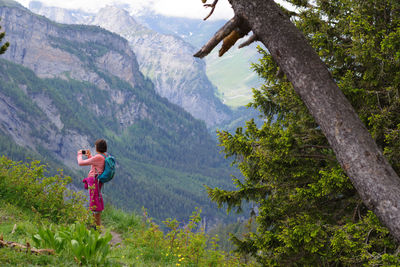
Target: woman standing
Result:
[96, 204]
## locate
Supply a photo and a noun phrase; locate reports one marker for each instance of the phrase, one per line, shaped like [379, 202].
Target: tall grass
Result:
[120, 220]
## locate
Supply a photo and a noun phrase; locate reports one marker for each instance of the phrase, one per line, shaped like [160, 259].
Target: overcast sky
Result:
[179, 8]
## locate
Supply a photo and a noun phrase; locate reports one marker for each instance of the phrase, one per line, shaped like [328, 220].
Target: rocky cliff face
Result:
[60, 14]
[32, 119]
[38, 44]
[79, 53]
[166, 59]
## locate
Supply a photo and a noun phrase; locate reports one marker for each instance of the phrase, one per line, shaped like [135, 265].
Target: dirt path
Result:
[116, 239]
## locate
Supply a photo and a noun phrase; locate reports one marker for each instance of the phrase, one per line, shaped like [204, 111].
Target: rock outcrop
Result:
[41, 45]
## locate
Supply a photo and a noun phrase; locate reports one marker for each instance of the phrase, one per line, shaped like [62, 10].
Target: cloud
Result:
[193, 9]
[178, 8]
[87, 5]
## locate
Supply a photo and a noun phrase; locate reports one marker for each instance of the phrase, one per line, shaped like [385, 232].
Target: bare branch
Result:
[315, 156]
[26, 248]
[13, 230]
[357, 211]
[218, 37]
[279, 74]
[252, 39]
[367, 238]
[229, 41]
[316, 146]
[213, 5]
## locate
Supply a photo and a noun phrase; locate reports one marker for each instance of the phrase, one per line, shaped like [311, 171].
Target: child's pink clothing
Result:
[96, 199]
[91, 183]
[96, 161]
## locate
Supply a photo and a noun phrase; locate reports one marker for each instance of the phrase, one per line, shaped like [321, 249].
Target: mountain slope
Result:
[64, 86]
[166, 59]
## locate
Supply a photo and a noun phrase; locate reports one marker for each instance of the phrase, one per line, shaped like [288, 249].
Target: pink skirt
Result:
[96, 199]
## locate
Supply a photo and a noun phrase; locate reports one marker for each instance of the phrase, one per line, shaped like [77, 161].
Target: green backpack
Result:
[109, 169]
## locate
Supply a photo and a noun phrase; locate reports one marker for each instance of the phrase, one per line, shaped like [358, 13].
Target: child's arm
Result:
[85, 162]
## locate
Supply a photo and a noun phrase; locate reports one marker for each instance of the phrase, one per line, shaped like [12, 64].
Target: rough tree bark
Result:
[371, 174]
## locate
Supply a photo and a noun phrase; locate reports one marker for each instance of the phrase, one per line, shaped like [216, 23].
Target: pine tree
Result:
[358, 154]
[308, 212]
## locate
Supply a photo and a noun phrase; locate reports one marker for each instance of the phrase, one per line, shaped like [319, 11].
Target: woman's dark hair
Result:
[101, 145]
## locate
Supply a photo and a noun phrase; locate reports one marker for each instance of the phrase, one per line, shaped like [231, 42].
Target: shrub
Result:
[25, 185]
[181, 246]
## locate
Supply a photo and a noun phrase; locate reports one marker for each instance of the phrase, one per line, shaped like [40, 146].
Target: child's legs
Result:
[97, 217]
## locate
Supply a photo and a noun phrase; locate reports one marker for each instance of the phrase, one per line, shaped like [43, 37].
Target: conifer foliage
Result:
[308, 212]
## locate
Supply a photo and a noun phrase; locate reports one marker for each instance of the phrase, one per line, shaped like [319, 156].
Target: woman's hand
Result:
[84, 152]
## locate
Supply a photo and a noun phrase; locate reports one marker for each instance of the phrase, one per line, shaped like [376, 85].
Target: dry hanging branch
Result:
[249, 41]
[213, 5]
[232, 31]
[218, 37]
[229, 41]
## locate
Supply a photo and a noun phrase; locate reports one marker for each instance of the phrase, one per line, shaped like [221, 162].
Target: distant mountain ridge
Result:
[64, 86]
[166, 59]
[231, 73]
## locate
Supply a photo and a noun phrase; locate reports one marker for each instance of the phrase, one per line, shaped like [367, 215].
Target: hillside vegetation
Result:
[41, 211]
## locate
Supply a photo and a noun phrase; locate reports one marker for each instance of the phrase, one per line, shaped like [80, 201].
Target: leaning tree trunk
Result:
[371, 174]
